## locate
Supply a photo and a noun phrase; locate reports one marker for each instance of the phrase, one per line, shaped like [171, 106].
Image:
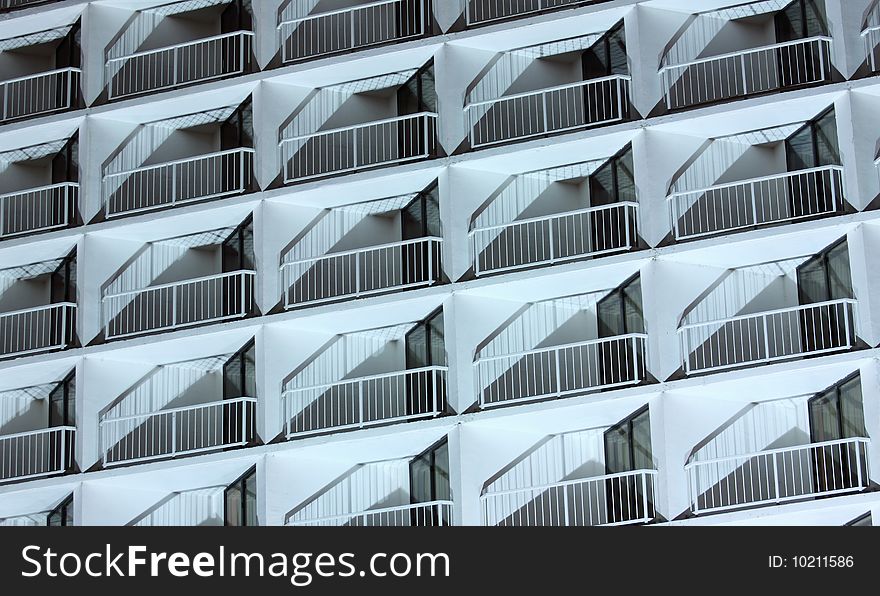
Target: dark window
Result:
[240, 500]
[424, 343]
[68, 53]
[236, 17]
[814, 145]
[418, 93]
[65, 164]
[429, 481]
[825, 276]
[607, 56]
[627, 449]
[801, 19]
[238, 249]
[62, 515]
[238, 130]
[62, 402]
[620, 312]
[63, 280]
[240, 373]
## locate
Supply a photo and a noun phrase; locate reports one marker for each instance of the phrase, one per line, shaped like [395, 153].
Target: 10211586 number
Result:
[819, 561]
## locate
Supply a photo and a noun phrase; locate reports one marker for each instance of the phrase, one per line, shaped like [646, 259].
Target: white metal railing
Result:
[15, 4]
[759, 201]
[555, 109]
[778, 475]
[179, 304]
[483, 11]
[554, 238]
[177, 431]
[36, 453]
[871, 36]
[365, 401]
[31, 330]
[746, 72]
[769, 336]
[393, 140]
[40, 93]
[560, 371]
[353, 27]
[194, 61]
[171, 183]
[361, 272]
[38, 209]
[430, 513]
[610, 500]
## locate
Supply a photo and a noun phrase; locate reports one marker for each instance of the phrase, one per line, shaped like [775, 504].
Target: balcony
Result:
[556, 109]
[378, 143]
[780, 198]
[350, 28]
[554, 239]
[40, 93]
[177, 431]
[610, 500]
[365, 401]
[38, 329]
[778, 475]
[181, 64]
[174, 305]
[747, 72]
[561, 371]
[362, 272]
[38, 209]
[479, 12]
[36, 453]
[172, 183]
[429, 514]
[769, 336]
[7, 5]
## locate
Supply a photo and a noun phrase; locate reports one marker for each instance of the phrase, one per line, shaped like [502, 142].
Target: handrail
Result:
[562, 483]
[549, 89]
[562, 346]
[41, 74]
[764, 48]
[177, 161]
[36, 432]
[863, 440]
[25, 191]
[36, 308]
[396, 373]
[361, 250]
[706, 189]
[335, 11]
[767, 313]
[180, 45]
[162, 412]
[319, 133]
[527, 220]
[180, 283]
[426, 504]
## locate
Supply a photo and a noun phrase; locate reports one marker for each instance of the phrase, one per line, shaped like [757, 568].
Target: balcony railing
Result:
[184, 63]
[37, 453]
[871, 35]
[361, 272]
[485, 11]
[382, 142]
[38, 329]
[168, 184]
[431, 513]
[561, 371]
[769, 336]
[611, 500]
[40, 93]
[178, 431]
[349, 28]
[554, 238]
[16, 4]
[760, 201]
[747, 72]
[365, 401]
[778, 475]
[38, 209]
[179, 304]
[555, 109]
